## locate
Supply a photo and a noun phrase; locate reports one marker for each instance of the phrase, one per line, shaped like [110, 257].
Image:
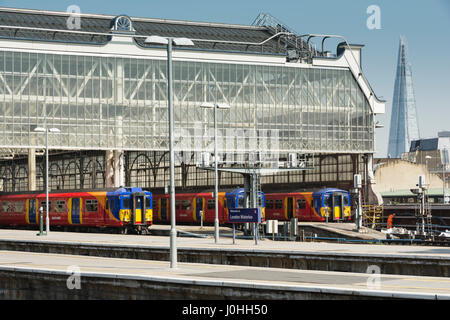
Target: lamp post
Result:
[46, 130]
[215, 106]
[169, 41]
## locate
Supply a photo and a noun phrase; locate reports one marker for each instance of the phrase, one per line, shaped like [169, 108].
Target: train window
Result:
[260, 201]
[147, 202]
[18, 206]
[60, 206]
[269, 204]
[44, 206]
[241, 202]
[327, 201]
[126, 203]
[278, 204]
[111, 205]
[346, 201]
[316, 203]
[154, 204]
[91, 205]
[177, 204]
[185, 204]
[225, 203]
[301, 203]
[211, 204]
[6, 206]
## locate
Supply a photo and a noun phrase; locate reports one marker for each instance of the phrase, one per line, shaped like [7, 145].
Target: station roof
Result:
[56, 25]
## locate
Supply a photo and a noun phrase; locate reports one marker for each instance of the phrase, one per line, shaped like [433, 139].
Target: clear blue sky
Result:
[425, 24]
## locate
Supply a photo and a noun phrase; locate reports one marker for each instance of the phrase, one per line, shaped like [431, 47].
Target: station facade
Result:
[105, 88]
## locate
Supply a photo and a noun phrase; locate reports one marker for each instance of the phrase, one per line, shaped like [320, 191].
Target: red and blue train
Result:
[134, 209]
[121, 210]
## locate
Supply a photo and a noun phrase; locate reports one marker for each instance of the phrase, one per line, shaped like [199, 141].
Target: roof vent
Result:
[122, 24]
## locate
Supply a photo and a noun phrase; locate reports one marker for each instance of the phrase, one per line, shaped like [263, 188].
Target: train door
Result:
[199, 208]
[289, 207]
[138, 209]
[75, 211]
[337, 205]
[32, 210]
[163, 209]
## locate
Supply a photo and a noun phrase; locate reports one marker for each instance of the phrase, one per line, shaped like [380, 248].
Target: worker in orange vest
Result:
[389, 220]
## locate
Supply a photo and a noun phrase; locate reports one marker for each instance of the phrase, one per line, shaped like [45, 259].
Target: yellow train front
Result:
[332, 204]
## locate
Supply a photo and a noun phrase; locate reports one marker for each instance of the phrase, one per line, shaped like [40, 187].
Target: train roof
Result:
[239, 191]
[329, 190]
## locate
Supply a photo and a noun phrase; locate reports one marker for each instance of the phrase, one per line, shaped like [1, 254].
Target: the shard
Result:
[404, 127]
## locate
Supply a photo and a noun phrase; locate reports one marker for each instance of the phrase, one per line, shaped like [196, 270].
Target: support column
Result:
[31, 169]
[109, 172]
[372, 196]
[119, 176]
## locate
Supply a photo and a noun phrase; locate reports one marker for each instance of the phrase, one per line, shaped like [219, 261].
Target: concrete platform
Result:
[391, 259]
[25, 275]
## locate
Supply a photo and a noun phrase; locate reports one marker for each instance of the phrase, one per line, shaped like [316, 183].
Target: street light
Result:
[169, 41]
[46, 130]
[209, 105]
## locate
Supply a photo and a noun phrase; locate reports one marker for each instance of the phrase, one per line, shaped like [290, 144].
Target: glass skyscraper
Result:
[404, 127]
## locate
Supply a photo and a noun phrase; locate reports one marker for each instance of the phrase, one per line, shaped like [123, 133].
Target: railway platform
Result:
[412, 260]
[25, 275]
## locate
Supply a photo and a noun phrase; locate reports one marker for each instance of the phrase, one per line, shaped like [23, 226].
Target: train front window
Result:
[327, 201]
[148, 202]
[260, 201]
[346, 201]
[241, 201]
[126, 203]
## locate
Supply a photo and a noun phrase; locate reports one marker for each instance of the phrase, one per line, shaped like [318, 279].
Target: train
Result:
[200, 207]
[122, 210]
[134, 209]
[329, 204]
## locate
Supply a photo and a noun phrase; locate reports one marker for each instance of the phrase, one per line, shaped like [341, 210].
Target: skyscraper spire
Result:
[404, 127]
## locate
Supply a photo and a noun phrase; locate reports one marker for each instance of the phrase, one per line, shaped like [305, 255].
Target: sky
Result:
[424, 24]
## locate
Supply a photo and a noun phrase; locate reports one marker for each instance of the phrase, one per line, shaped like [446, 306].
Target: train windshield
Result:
[241, 202]
[346, 201]
[148, 202]
[260, 201]
[327, 201]
[126, 203]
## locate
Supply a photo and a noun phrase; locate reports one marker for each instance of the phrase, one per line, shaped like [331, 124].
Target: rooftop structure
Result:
[105, 88]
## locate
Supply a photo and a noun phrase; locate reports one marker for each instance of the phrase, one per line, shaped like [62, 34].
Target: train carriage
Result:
[122, 209]
[194, 207]
[326, 204]
[190, 207]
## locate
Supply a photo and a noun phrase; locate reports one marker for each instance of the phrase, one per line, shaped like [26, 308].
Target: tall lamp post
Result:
[169, 41]
[46, 130]
[215, 106]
